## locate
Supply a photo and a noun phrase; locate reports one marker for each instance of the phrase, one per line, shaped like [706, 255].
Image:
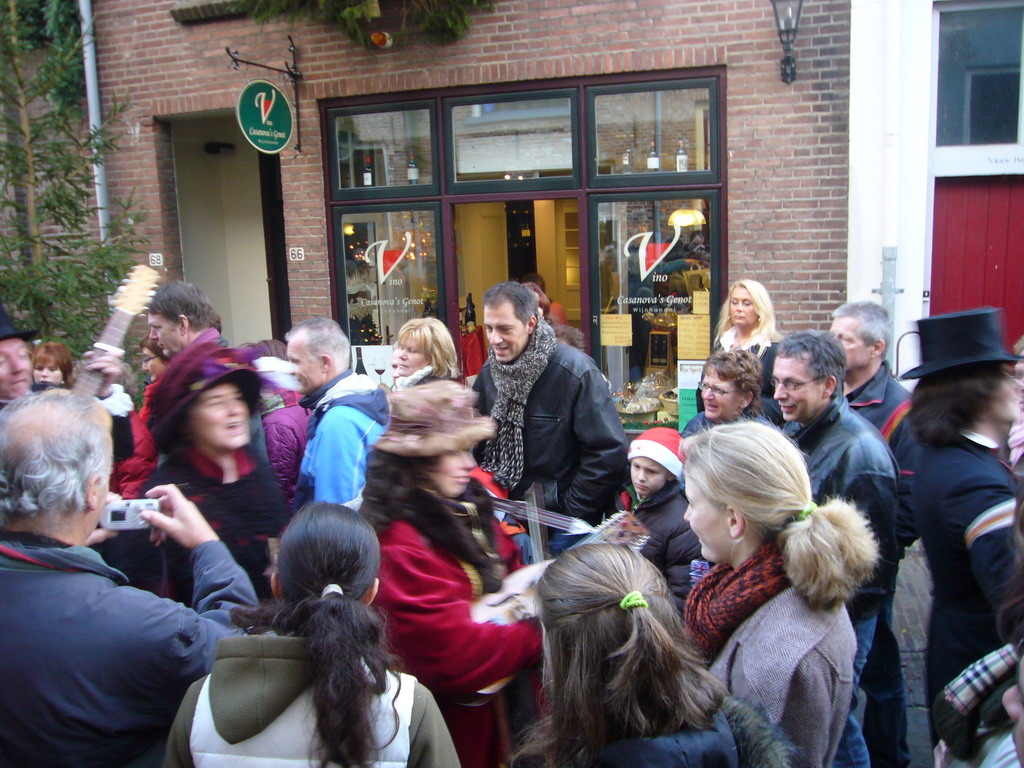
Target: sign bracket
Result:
[291, 71]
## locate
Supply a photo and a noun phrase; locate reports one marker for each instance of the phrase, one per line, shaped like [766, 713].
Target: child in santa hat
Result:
[655, 497]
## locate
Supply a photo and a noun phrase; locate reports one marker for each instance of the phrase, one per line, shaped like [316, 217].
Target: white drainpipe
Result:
[92, 95]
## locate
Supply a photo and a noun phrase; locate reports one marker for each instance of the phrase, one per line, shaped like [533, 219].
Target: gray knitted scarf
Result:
[503, 455]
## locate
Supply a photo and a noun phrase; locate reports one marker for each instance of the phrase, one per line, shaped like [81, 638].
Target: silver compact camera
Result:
[124, 515]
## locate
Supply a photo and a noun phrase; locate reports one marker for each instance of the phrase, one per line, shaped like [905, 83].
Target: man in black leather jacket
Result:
[572, 441]
[846, 458]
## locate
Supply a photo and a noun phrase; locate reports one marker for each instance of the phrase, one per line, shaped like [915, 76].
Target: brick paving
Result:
[913, 602]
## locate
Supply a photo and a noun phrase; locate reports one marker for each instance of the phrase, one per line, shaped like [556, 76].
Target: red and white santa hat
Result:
[660, 444]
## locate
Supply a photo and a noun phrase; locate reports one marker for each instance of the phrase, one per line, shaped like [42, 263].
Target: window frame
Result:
[502, 186]
[716, 240]
[972, 159]
[337, 259]
[339, 194]
[660, 178]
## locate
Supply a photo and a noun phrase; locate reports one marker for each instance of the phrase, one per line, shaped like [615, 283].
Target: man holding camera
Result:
[93, 670]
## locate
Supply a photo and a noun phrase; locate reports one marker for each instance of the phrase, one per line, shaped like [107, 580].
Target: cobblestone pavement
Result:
[913, 602]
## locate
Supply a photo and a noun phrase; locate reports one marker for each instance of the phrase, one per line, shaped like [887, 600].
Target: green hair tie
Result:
[633, 600]
[804, 513]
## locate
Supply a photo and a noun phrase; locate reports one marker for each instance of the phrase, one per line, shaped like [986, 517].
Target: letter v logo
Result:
[265, 106]
[649, 255]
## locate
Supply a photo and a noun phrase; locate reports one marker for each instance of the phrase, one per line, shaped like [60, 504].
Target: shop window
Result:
[979, 77]
[381, 153]
[655, 135]
[653, 283]
[627, 247]
[388, 260]
[514, 142]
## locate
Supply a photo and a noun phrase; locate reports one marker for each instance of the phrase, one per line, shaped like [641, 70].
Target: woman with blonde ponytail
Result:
[312, 683]
[624, 687]
[770, 615]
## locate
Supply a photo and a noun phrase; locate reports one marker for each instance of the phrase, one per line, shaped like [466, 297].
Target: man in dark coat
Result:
[180, 315]
[963, 496]
[94, 670]
[557, 425]
[846, 458]
[864, 330]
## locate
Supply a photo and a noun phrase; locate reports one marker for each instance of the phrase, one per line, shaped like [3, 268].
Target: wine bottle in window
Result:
[653, 161]
[682, 159]
[368, 172]
[470, 314]
[627, 160]
[360, 368]
[412, 170]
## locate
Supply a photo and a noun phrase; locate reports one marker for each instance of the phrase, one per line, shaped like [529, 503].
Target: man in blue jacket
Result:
[93, 670]
[349, 413]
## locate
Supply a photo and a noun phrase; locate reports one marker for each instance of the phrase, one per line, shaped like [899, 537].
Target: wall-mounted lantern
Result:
[787, 21]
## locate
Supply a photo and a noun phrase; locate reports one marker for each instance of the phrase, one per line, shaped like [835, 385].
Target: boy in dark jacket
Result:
[656, 499]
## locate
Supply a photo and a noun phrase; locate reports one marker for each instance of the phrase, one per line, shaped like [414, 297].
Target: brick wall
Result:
[787, 165]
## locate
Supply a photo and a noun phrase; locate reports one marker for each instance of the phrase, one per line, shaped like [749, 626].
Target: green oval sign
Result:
[265, 116]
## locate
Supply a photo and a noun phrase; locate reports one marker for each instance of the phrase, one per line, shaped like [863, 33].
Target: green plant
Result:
[441, 21]
[55, 272]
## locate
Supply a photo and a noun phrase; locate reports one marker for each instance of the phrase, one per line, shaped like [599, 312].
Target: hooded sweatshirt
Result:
[349, 413]
[255, 709]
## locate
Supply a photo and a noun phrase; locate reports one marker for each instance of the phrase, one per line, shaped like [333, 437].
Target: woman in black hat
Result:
[963, 496]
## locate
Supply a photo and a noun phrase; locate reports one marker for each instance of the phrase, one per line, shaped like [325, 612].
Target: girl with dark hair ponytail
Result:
[316, 649]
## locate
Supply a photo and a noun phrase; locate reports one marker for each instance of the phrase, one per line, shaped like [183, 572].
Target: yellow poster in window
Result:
[616, 330]
[694, 341]
[702, 302]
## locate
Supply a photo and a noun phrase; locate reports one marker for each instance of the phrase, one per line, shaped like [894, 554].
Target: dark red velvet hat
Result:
[192, 371]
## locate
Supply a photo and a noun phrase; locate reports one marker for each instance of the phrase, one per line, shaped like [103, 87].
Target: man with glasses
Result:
[846, 458]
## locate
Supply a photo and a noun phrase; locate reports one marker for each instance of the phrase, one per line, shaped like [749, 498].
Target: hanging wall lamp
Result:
[787, 21]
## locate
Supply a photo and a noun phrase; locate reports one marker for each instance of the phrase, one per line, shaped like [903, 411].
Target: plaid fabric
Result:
[970, 687]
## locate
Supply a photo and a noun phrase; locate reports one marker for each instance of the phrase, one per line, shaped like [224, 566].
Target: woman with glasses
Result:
[730, 390]
[154, 363]
[962, 495]
[770, 617]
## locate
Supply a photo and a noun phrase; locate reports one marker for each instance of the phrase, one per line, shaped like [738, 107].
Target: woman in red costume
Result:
[441, 550]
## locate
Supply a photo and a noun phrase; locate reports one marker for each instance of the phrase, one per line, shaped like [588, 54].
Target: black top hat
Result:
[7, 329]
[960, 338]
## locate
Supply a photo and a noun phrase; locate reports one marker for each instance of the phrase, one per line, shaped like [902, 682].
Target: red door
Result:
[978, 247]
